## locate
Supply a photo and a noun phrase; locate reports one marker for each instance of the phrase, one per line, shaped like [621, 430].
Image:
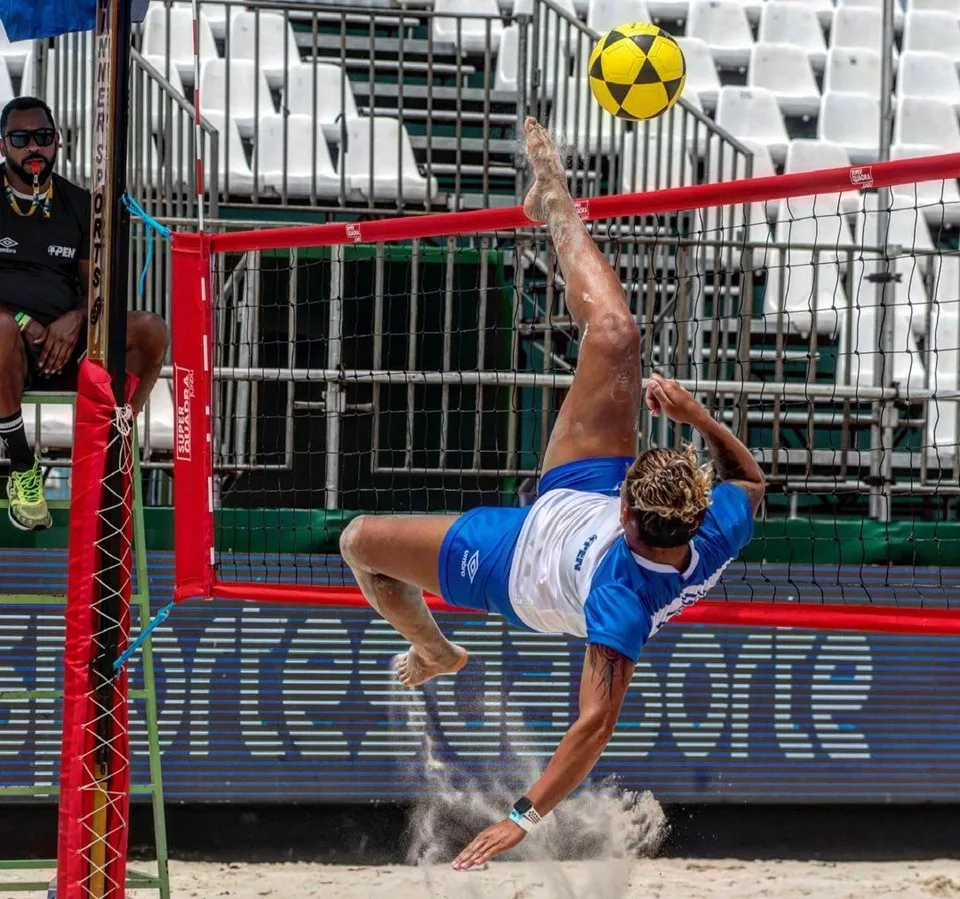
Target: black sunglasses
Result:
[42, 137]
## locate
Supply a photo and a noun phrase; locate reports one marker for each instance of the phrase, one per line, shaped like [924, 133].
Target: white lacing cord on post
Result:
[109, 590]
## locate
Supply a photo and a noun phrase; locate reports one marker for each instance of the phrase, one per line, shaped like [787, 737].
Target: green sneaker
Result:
[27, 505]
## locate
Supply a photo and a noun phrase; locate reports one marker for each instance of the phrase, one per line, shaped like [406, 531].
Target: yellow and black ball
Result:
[637, 71]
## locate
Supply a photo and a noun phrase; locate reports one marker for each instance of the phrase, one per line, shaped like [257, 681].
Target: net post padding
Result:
[192, 315]
[193, 351]
[85, 869]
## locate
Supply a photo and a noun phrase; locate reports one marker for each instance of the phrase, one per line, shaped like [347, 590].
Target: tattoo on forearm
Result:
[610, 668]
[728, 465]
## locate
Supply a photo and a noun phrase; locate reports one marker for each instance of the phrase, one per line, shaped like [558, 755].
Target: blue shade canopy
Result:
[25, 20]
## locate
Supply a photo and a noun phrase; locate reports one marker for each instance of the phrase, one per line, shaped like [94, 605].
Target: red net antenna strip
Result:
[233, 336]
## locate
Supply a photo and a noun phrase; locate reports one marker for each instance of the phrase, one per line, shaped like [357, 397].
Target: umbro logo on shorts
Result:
[469, 565]
[8, 245]
[578, 562]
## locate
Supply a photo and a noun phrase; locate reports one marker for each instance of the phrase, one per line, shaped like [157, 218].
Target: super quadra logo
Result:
[184, 390]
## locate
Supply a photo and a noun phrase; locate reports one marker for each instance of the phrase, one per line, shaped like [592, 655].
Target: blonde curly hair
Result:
[669, 492]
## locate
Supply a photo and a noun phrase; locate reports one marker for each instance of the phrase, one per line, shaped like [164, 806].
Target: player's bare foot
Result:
[550, 177]
[413, 668]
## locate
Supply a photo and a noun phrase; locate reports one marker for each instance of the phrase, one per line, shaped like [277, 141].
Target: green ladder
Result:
[140, 603]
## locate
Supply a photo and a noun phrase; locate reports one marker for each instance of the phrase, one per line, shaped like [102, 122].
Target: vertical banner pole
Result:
[106, 343]
[109, 226]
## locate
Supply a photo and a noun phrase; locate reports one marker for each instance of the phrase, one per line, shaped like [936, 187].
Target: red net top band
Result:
[701, 196]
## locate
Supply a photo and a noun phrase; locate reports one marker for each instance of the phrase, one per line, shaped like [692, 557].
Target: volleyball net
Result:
[417, 364]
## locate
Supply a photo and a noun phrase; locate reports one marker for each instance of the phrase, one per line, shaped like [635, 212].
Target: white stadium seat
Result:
[216, 14]
[273, 30]
[852, 70]
[724, 164]
[69, 78]
[944, 351]
[753, 9]
[525, 7]
[934, 31]
[250, 95]
[723, 25]
[950, 6]
[804, 285]
[906, 228]
[853, 121]
[155, 422]
[864, 355]
[293, 153]
[49, 426]
[178, 43]
[505, 78]
[652, 163]
[701, 70]
[602, 15]
[470, 34]
[857, 26]
[939, 201]
[928, 75]
[173, 77]
[556, 41]
[6, 86]
[234, 172]
[729, 222]
[668, 10]
[164, 157]
[804, 155]
[762, 160]
[878, 6]
[789, 22]
[684, 126]
[16, 54]
[29, 85]
[381, 144]
[784, 70]
[323, 91]
[816, 222]
[753, 112]
[923, 121]
[823, 8]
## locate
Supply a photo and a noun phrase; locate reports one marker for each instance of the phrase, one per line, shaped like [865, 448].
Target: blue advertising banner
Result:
[287, 704]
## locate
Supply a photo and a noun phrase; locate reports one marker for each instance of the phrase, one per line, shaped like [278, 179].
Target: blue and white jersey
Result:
[573, 573]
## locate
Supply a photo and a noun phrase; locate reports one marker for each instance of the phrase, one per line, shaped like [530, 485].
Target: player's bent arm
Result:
[733, 460]
[603, 684]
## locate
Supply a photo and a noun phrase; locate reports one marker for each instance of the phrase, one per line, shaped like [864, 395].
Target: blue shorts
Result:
[477, 552]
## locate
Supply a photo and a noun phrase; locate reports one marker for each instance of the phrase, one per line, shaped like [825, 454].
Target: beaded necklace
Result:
[41, 201]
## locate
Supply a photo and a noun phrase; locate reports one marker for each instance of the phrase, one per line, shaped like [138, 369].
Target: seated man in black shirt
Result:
[44, 270]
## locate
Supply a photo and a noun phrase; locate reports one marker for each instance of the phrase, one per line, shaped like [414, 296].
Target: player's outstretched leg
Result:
[394, 558]
[600, 413]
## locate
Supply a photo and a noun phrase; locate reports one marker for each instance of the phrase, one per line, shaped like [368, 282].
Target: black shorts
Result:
[63, 380]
